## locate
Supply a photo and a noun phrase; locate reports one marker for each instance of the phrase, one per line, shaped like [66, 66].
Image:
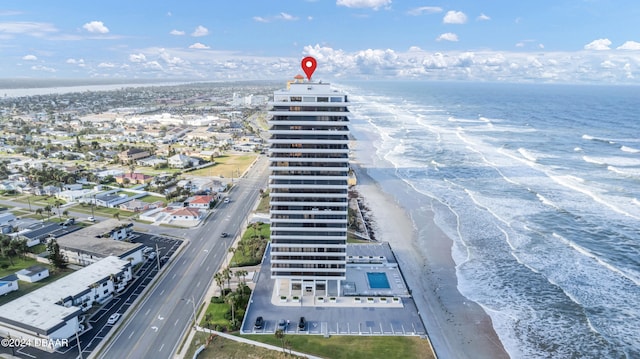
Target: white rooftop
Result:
[38, 309]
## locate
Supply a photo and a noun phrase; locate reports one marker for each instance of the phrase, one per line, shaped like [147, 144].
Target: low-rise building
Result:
[33, 274]
[98, 241]
[203, 202]
[49, 316]
[133, 154]
[8, 284]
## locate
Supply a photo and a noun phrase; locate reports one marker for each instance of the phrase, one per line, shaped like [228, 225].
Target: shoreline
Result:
[456, 326]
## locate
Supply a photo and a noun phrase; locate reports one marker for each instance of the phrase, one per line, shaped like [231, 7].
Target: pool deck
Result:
[364, 311]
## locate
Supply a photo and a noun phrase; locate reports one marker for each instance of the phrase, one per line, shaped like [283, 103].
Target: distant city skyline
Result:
[564, 41]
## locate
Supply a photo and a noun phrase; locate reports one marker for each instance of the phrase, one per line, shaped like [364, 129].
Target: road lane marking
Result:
[132, 332]
[162, 346]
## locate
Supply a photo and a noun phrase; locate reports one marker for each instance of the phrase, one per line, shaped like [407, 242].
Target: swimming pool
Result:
[378, 280]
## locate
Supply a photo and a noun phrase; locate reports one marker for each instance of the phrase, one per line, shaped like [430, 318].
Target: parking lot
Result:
[345, 318]
[96, 322]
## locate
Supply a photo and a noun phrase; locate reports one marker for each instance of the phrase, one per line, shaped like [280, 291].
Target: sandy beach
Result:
[457, 327]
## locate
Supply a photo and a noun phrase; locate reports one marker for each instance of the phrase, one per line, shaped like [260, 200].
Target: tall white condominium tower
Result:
[309, 167]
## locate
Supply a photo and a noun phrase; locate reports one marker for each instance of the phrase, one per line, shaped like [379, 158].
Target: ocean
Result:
[538, 186]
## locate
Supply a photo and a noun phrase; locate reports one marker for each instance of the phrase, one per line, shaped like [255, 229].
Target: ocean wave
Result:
[577, 184]
[528, 155]
[593, 160]
[629, 149]
[592, 138]
[626, 172]
[585, 252]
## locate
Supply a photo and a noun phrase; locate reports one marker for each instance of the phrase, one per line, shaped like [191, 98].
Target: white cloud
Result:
[424, 10]
[629, 45]
[106, 65]
[309, 18]
[29, 57]
[137, 58]
[79, 62]
[177, 32]
[607, 64]
[598, 45]
[96, 27]
[200, 31]
[260, 19]
[170, 59]
[198, 45]
[454, 17]
[373, 4]
[483, 17]
[287, 17]
[447, 36]
[43, 68]
[36, 29]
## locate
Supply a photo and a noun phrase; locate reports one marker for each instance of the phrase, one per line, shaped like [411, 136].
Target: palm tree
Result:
[219, 281]
[231, 299]
[226, 274]
[57, 204]
[39, 211]
[47, 209]
[116, 215]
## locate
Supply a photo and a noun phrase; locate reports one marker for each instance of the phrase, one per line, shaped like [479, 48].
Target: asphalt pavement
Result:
[156, 326]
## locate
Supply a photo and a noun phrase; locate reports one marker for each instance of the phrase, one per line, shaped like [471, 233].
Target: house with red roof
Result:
[203, 201]
[184, 214]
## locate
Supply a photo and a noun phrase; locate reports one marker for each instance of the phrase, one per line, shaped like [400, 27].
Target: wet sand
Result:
[458, 328]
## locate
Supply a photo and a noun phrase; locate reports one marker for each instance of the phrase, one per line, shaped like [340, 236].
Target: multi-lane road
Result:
[154, 329]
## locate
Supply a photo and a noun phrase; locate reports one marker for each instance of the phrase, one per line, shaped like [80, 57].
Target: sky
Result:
[560, 41]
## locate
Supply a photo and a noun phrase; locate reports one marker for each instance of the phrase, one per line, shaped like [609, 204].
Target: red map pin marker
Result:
[309, 66]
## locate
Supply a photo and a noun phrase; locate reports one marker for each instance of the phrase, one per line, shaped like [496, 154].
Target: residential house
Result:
[7, 218]
[133, 154]
[33, 274]
[138, 206]
[202, 202]
[184, 214]
[137, 178]
[183, 161]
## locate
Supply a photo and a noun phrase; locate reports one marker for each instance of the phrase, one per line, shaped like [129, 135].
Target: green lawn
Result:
[354, 347]
[18, 264]
[229, 166]
[263, 206]
[216, 312]
[243, 255]
[151, 199]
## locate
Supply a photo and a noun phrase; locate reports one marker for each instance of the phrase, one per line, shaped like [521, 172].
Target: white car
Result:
[227, 200]
[113, 318]
[91, 219]
[152, 255]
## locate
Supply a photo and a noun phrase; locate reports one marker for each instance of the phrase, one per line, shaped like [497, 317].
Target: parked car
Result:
[259, 323]
[164, 259]
[91, 219]
[282, 324]
[302, 324]
[113, 318]
[151, 255]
